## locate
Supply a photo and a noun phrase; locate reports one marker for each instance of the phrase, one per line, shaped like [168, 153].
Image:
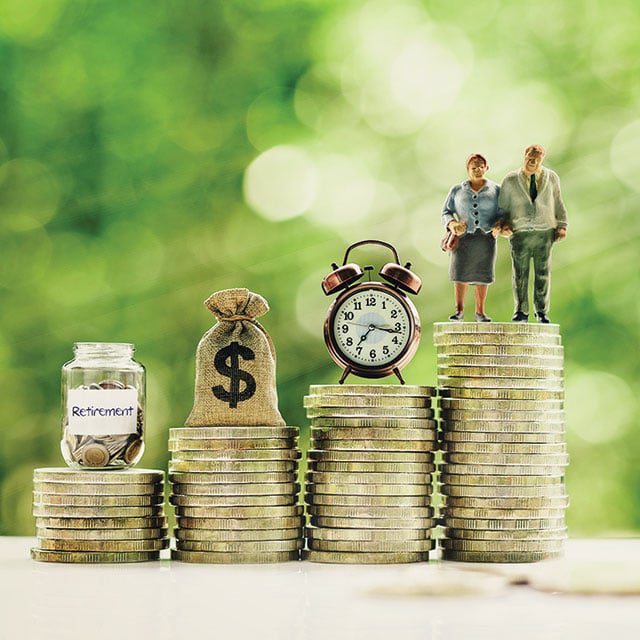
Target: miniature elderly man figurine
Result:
[532, 204]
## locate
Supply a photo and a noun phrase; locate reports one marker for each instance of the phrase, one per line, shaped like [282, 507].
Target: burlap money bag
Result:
[236, 365]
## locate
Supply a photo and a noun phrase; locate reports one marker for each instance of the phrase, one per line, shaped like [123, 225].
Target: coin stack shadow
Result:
[501, 405]
[99, 516]
[368, 488]
[235, 494]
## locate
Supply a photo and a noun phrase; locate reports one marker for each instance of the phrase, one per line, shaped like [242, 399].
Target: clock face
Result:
[371, 327]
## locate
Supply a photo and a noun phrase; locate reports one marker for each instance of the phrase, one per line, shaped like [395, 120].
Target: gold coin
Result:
[236, 454]
[210, 557]
[507, 328]
[101, 534]
[311, 402]
[232, 432]
[208, 471]
[231, 466]
[448, 339]
[368, 412]
[540, 459]
[364, 433]
[95, 455]
[504, 416]
[553, 471]
[468, 404]
[507, 534]
[375, 546]
[363, 511]
[368, 535]
[544, 362]
[334, 522]
[95, 490]
[372, 467]
[497, 437]
[101, 523]
[238, 444]
[376, 423]
[199, 482]
[501, 394]
[247, 546]
[506, 514]
[369, 456]
[288, 511]
[133, 451]
[505, 448]
[366, 478]
[103, 545]
[234, 501]
[493, 524]
[496, 556]
[238, 535]
[486, 426]
[329, 444]
[521, 351]
[500, 480]
[510, 382]
[96, 501]
[93, 557]
[480, 502]
[321, 499]
[55, 511]
[330, 557]
[545, 491]
[371, 489]
[371, 389]
[240, 524]
[247, 489]
[115, 476]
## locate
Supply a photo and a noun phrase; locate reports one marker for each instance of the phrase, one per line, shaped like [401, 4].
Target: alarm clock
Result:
[372, 329]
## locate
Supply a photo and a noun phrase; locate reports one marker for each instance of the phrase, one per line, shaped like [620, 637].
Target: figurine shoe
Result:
[481, 317]
[543, 317]
[458, 316]
[518, 316]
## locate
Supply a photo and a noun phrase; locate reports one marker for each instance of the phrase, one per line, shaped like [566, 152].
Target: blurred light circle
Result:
[625, 161]
[29, 20]
[600, 405]
[281, 183]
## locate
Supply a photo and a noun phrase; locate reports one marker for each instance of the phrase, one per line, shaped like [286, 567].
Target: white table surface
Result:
[305, 601]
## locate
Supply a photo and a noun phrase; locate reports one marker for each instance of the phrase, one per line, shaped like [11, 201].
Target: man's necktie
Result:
[533, 190]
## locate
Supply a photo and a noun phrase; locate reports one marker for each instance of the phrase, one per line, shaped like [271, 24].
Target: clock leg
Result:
[397, 372]
[347, 371]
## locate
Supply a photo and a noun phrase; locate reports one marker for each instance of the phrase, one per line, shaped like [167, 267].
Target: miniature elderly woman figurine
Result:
[471, 212]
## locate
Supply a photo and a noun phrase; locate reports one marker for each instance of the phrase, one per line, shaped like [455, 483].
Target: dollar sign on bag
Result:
[232, 371]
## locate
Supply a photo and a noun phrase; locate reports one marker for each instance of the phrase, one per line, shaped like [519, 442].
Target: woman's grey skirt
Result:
[474, 260]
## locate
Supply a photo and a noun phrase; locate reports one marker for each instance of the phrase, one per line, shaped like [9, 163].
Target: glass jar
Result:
[103, 406]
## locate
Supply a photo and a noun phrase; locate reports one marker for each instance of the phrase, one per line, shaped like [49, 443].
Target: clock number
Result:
[394, 314]
[398, 326]
[384, 304]
[395, 340]
[345, 328]
[357, 306]
[348, 315]
[359, 350]
[372, 354]
[371, 302]
[385, 350]
[349, 342]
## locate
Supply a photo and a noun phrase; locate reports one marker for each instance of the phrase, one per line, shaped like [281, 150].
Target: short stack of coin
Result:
[368, 489]
[235, 494]
[87, 516]
[503, 434]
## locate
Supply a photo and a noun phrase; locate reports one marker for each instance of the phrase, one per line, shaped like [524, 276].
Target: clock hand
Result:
[364, 335]
[387, 330]
[374, 326]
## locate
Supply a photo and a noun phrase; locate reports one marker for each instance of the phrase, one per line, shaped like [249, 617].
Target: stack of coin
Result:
[368, 490]
[235, 494]
[99, 516]
[503, 435]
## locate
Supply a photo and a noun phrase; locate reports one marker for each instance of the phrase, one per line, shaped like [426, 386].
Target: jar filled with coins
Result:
[103, 406]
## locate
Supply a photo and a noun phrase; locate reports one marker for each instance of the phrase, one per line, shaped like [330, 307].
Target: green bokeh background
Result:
[154, 152]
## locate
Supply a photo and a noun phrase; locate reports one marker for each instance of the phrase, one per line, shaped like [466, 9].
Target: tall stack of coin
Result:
[235, 494]
[368, 490]
[502, 419]
[99, 516]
